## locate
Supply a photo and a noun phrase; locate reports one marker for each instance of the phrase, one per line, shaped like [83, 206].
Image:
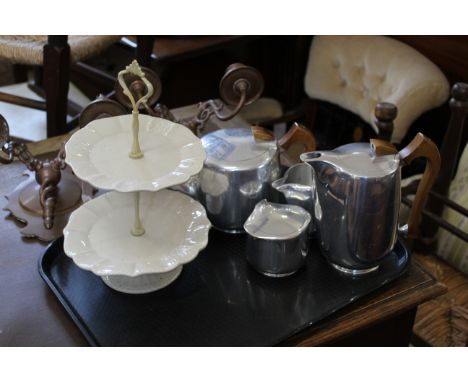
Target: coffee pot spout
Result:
[313, 156]
[318, 159]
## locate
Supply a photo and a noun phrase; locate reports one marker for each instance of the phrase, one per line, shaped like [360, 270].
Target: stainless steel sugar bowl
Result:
[237, 174]
[277, 242]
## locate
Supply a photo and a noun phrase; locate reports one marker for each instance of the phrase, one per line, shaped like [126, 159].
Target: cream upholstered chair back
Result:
[357, 72]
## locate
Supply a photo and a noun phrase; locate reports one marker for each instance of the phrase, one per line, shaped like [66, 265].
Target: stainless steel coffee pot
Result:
[357, 199]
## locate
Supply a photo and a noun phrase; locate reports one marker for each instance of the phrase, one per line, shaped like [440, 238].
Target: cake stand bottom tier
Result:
[98, 239]
[142, 284]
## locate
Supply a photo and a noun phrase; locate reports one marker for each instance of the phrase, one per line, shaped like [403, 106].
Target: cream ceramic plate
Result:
[98, 154]
[98, 239]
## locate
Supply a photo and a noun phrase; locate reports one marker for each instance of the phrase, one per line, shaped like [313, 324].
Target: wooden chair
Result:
[54, 54]
[443, 232]
[444, 236]
[355, 73]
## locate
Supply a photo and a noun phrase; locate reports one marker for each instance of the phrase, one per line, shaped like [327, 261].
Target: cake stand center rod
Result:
[135, 152]
[137, 229]
[134, 69]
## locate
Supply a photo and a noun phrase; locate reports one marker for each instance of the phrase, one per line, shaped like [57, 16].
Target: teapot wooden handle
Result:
[298, 134]
[421, 146]
[262, 134]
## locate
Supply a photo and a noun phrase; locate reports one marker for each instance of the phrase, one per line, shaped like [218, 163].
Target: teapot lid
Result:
[236, 149]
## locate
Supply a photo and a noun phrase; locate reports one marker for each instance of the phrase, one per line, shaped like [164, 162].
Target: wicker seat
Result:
[55, 54]
[28, 50]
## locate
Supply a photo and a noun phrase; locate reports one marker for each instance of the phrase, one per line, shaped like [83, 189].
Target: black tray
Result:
[218, 300]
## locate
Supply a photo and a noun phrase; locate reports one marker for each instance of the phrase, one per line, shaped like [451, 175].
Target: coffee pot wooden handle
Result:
[421, 146]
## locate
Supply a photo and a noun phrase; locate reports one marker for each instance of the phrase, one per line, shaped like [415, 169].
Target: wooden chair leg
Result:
[56, 83]
[20, 73]
[37, 84]
[385, 114]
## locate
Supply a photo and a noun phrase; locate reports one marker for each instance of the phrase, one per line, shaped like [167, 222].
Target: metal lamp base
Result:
[24, 205]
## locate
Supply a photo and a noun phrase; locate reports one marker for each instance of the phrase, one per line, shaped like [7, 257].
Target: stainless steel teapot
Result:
[239, 167]
[357, 199]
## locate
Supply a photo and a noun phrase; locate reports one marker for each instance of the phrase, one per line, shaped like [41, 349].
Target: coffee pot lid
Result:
[356, 160]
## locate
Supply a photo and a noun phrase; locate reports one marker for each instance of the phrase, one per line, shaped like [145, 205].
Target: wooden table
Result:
[30, 315]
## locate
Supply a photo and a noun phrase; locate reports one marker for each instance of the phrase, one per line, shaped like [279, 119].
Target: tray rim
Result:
[75, 317]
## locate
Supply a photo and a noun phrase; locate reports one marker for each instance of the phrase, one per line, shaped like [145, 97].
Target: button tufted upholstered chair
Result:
[54, 54]
[357, 72]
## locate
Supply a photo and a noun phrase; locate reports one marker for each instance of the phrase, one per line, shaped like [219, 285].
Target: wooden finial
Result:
[385, 114]
[460, 92]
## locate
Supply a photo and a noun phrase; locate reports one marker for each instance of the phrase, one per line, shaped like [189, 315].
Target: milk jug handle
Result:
[421, 146]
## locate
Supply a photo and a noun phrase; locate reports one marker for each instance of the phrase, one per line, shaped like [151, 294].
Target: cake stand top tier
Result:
[98, 154]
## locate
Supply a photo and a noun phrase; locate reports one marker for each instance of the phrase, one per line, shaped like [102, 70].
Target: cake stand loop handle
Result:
[135, 69]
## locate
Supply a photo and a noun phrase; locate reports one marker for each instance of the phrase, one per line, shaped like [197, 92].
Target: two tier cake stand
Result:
[138, 235]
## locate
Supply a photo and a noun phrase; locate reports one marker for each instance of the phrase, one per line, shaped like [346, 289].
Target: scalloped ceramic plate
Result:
[98, 154]
[97, 236]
